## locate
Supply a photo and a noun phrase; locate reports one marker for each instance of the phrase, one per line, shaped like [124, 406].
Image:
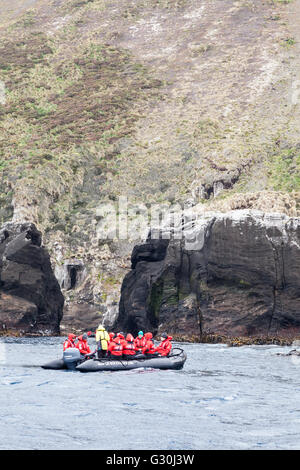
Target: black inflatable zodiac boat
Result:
[72, 360]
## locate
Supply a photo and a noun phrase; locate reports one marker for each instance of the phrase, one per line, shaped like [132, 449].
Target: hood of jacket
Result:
[168, 338]
[81, 339]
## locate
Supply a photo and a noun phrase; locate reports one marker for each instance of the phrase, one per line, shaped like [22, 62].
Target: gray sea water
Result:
[224, 398]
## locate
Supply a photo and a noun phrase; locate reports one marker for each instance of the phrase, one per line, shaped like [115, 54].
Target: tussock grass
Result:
[65, 111]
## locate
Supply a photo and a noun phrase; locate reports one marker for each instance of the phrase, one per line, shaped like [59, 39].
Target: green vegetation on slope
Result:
[77, 96]
[66, 110]
[284, 171]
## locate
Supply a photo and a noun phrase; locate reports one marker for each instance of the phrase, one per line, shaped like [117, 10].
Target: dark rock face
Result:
[235, 274]
[137, 310]
[30, 296]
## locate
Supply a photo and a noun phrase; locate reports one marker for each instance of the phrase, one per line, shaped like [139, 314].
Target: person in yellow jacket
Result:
[102, 339]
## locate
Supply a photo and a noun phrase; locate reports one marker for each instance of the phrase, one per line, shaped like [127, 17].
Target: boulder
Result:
[31, 301]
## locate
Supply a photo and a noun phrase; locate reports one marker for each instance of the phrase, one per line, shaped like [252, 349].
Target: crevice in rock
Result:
[279, 280]
[73, 277]
[283, 266]
[71, 274]
[220, 183]
[195, 289]
[272, 311]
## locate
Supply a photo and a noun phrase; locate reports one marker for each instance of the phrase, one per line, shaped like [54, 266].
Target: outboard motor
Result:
[71, 358]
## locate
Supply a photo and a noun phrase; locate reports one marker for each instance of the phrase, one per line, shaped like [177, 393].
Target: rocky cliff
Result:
[156, 100]
[30, 298]
[233, 274]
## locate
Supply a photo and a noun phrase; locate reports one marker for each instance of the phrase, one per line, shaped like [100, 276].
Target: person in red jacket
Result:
[82, 344]
[140, 342]
[111, 336]
[129, 347]
[115, 348]
[122, 338]
[165, 346]
[70, 342]
[149, 349]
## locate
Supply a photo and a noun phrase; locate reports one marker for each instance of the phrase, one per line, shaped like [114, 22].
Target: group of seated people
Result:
[116, 345]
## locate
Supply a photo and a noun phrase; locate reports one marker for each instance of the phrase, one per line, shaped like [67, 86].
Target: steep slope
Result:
[157, 100]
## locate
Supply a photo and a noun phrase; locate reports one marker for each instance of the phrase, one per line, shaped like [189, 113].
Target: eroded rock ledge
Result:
[30, 298]
[235, 275]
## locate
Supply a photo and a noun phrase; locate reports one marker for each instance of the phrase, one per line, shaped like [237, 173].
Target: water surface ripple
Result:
[224, 398]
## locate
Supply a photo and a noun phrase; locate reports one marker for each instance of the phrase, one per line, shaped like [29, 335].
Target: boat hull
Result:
[164, 363]
[57, 364]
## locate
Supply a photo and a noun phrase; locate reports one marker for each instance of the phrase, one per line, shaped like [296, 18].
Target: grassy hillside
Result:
[159, 100]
